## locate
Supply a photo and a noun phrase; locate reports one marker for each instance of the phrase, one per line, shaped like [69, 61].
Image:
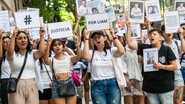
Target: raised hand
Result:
[42, 32]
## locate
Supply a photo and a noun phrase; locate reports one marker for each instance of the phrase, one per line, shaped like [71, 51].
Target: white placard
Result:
[97, 22]
[60, 29]
[171, 20]
[150, 55]
[27, 19]
[180, 7]
[121, 23]
[4, 21]
[135, 30]
[153, 10]
[144, 32]
[110, 11]
[94, 7]
[81, 7]
[136, 11]
[34, 32]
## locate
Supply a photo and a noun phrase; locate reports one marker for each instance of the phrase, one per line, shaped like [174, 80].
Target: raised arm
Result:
[131, 43]
[76, 25]
[181, 36]
[46, 55]
[75, 58]
[1, 46]
[85, 52]
[120, 50]
[10, 52]
[37, 54]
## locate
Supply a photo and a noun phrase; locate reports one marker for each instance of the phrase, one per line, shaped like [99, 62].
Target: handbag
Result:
[65, 88]
[12, 82]
[76, 78]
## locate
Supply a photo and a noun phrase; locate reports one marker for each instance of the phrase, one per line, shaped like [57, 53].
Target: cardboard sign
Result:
[4, 21]
[27, 19]
[60, 29]
[97, 22]
[171, 20]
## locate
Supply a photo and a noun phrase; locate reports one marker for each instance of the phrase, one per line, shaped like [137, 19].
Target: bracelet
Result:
[77, 44]
[86, 38]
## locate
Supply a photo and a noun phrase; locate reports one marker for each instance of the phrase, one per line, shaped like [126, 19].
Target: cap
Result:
[97, 33]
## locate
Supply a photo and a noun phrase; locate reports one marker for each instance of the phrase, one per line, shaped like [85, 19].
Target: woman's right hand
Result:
[15, 31]
[49, 40]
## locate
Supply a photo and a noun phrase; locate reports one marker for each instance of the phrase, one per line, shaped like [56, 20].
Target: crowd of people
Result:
[101, 59]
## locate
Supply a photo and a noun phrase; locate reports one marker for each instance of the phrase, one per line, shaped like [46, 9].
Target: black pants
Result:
[4, 94]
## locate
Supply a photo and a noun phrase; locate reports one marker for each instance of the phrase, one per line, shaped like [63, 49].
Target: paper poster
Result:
[110, 11]
[121, 23]
[180, 7]
[153, 10]
[144, 32]
[34, 33]
[4, 21]
[81, 7]
[97, 22]
[136, 11]
[171, 20]
[150, 55]
[27, 19]
[135, 30]
[60, 29]
[94, 7]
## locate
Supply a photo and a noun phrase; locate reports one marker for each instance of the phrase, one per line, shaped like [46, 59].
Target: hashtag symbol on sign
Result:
[27, 20]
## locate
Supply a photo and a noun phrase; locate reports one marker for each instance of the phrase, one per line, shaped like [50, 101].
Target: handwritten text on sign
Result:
[60, 29]
[97, 22]
[27, 19]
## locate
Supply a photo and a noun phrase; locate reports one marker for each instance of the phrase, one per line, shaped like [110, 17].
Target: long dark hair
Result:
[29, 46]
[4, 56]
[53, 42]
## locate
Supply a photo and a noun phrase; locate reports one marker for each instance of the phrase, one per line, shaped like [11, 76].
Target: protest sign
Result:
[135, 30]
[180, 7]
[60, 29]
[136, 11]
[81, 7]
[4, 21]
[121, 23]
[150, 55]
[110, 11]
[27, 19]
[171, 20]
[153, 10]
[97, 22]
[94, 7]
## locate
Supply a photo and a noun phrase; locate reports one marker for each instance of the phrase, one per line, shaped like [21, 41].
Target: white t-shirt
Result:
[174, 48]
[62, 66]
[17, 63]
[102, 65]
[133, 67]
[5, 69]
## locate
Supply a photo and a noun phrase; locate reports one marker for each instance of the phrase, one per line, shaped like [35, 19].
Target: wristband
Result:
[77, 44]
[86, 38]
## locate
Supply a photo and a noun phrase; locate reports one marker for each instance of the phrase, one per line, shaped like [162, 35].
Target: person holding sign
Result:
[104, 86]
[158, 85]
[61, 69]
[20, 52]
[177, 47]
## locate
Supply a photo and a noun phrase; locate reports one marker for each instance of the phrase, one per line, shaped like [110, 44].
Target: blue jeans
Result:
[105, 91]
[160, 98]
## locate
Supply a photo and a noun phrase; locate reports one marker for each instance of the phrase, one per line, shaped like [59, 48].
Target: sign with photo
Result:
[4, 21]
[135, 30]
[150, 55]
[110, 11]
[97, 22]
[171, 20]
[60, 29]
[81, 7]
[121, 23]
[180, 7]
[136, 11]
[27, 19]
[153, 10]
[94, 7]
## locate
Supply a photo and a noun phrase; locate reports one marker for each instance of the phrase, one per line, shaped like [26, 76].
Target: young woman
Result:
[104, 87]
[61, 64]
[27, 92]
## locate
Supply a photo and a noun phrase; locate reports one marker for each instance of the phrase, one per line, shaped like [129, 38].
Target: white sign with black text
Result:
[60, 29]
[27, 19]
[97, 22]
[4, 21]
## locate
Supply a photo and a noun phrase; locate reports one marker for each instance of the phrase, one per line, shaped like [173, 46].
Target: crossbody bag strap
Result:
[46, 70]
[52, 68]
[22, 68]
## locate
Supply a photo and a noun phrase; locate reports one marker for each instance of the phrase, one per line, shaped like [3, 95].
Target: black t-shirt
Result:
[159, 81]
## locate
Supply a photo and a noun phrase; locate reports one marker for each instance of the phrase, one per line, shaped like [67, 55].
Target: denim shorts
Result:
[55, 86]
[178, 82]
[105, 91]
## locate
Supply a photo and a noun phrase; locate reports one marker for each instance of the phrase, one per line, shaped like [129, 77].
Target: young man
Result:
[159, 84]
